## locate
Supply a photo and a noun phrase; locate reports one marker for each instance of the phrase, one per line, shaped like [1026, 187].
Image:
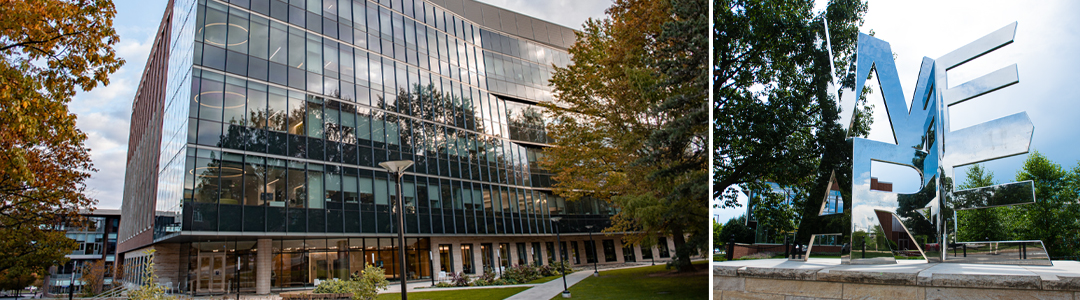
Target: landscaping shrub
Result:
[365, 286]
[460, 279]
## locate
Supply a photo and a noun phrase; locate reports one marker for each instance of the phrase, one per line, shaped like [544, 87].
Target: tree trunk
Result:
[682, 255]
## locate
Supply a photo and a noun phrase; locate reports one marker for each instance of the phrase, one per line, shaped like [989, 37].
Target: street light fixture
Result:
[562, 263]
[595, 256]
[397, 168]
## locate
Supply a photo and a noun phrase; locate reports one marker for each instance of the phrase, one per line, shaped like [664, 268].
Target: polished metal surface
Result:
[886, 226]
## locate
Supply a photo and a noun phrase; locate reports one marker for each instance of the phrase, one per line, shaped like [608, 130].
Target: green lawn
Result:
[474, 294]
[652, 282]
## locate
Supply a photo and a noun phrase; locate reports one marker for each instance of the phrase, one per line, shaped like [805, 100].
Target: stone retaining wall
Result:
[827, 279]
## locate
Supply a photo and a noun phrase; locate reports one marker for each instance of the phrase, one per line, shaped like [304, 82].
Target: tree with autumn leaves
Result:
[630, 121]
[49, 48]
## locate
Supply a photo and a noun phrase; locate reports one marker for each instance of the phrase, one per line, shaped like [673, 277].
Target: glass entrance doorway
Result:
[211, 275]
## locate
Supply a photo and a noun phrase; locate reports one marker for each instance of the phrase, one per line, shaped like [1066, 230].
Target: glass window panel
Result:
[350, 188]
[279, 46]
[255, 174]
[256, 105]
[277, 111]
[296, 53]
[314, 117]
[314, 54]
[382, 196]
[238, 31]
[216, 29]
[258, 37]
[296, 113]
[315, 189]
[367, 192]
[276, 190]
[235, 99]
[296, 193]
[330, 59]
[206, 180]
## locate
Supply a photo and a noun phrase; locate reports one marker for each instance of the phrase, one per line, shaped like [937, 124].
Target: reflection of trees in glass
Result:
[430, 104]
[527, 124]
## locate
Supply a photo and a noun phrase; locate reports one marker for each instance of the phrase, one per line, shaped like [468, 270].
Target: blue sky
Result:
[104, 112]
[1045, 50]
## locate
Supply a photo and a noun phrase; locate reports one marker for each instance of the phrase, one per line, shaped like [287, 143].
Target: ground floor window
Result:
[574, 254]
[211, 267]
[522, 260]
[504, 256]
[609, 251]
[663, 248]
[590, 251]
[646, 252]
[628, 253]
[446, 259]
[551, 252]
[562, 252]
[487, 255]
[467, 259]
[536, 254]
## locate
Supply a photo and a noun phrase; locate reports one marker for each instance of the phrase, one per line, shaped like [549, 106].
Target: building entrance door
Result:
[211, 275]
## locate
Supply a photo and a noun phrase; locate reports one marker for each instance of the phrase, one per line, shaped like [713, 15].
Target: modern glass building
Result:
[258, 127]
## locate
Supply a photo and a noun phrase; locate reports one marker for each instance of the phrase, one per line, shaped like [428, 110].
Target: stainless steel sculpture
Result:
[886, 225]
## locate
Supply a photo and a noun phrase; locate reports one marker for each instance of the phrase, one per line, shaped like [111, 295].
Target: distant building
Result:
[97, 241]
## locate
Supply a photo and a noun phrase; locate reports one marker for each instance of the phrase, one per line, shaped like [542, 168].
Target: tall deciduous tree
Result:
[630, 121]
[48, 49]
[773, 119]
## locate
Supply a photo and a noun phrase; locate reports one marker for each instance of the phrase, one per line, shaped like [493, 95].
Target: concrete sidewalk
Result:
[551, 288]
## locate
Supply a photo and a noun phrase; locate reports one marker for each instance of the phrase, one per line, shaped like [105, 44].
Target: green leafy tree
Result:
[774, 211]
[48, 49]
[979, 224]
[717, 229]
[736, 227]
[772, 116]
[629, 121]
[1052, 218]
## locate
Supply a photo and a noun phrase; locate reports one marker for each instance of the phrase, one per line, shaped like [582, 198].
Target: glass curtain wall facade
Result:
[275, 114]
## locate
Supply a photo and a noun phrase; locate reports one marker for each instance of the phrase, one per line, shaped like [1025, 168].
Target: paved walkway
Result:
[551, 288]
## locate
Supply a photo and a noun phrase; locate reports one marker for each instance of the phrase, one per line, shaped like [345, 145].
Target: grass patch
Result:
[719, 257]
[544, 279]
[652, 282]
[477, 294]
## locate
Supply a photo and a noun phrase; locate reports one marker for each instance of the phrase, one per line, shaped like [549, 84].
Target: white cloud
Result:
[567, 13]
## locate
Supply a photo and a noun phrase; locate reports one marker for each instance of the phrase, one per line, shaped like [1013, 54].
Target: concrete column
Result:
[263, 266]
[436, 260]
[455, 251]
[529, 253]
[671, 246]
[478, 259]
[619, 251]
[513, 254]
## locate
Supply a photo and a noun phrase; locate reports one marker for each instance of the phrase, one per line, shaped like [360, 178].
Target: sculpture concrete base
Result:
[828, 279]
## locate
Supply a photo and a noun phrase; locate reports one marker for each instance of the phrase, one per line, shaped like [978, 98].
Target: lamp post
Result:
[397, 168]
[595, 257]
[562, 264]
